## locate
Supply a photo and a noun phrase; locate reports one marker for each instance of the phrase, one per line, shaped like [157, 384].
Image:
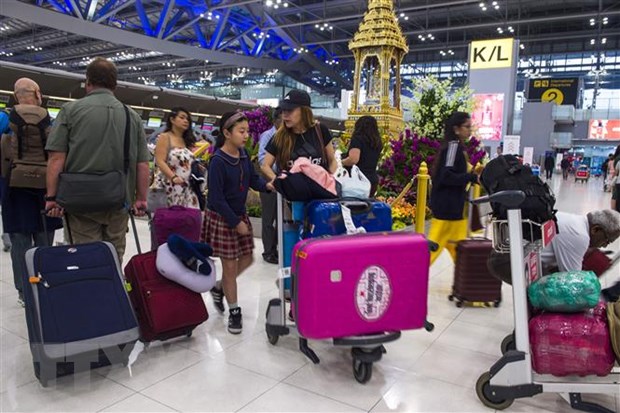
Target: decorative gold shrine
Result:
[379, 48]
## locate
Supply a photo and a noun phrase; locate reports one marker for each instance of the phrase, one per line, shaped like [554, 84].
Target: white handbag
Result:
[355, 184]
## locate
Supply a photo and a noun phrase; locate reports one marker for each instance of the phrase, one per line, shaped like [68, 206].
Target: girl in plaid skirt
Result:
[226, 226]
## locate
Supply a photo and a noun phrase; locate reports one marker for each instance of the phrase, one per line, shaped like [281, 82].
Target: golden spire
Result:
[379, 28]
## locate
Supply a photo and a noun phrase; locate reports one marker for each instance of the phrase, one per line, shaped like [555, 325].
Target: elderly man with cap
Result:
[22, 201]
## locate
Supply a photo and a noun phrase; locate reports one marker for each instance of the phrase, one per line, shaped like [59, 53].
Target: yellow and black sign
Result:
[558, 91]
[491, 54]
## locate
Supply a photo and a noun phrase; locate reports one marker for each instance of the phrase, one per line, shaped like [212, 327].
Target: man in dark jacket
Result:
[549, 165]
[565, 164]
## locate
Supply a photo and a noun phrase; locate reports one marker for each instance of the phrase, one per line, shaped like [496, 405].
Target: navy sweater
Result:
[229, 180]
[449, 183]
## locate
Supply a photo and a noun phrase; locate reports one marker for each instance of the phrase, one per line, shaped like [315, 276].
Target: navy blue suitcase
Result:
[77, 309]
[325, 217]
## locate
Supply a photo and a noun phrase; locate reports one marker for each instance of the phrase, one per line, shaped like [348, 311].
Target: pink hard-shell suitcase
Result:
[360, 284]
[572, 344]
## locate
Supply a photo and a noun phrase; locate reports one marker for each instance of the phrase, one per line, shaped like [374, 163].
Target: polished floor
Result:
[215, 371]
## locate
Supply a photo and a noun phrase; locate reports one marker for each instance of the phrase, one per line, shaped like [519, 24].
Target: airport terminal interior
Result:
[538, 79]
[215, 371]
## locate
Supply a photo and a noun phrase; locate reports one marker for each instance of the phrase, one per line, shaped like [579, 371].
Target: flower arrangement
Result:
[260, 119]
[408, 151]
[434, 101]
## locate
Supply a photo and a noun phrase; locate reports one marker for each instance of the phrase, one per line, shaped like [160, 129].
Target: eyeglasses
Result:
[607, 240]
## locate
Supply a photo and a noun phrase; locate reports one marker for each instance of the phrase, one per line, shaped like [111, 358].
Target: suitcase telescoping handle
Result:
[134, 228]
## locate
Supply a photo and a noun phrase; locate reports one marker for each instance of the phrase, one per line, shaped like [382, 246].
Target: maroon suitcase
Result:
[164, 309]
[473, 283]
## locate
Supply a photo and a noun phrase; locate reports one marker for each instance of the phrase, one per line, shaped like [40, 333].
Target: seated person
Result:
[576, 234]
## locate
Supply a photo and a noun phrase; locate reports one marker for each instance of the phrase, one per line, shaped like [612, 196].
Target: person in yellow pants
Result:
[450, 179]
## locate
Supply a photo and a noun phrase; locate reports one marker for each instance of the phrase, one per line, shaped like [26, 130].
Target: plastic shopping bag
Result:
[355, 184]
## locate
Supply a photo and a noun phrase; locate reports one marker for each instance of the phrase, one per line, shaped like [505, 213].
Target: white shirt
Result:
[569, 245]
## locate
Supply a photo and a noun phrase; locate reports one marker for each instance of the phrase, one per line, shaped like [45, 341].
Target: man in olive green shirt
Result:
[88, 136]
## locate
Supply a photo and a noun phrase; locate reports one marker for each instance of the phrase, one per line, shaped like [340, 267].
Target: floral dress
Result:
[180, 162]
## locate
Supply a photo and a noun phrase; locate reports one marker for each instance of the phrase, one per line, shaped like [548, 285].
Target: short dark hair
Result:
[102, 73]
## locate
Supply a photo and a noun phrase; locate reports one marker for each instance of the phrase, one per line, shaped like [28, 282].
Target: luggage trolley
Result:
[365, 350]
[512, 377]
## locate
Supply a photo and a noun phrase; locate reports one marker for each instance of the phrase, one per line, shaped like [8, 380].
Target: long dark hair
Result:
[367, 129]
[457, 119]
[220, 139]
[284, 139]
[188, 135]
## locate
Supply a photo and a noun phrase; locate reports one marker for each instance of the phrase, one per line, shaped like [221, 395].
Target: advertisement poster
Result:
[488, 117]
[604, 129]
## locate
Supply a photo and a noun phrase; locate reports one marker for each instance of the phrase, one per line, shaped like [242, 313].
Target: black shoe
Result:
[271, 259]
[218, 299]
[235, 322]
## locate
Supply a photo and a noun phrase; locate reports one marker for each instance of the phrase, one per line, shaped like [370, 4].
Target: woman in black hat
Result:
[299, 136]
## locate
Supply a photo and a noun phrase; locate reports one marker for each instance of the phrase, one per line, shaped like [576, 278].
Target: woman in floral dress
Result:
[174, 158]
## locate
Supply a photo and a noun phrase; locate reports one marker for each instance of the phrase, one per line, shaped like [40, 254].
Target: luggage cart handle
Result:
[510, 199]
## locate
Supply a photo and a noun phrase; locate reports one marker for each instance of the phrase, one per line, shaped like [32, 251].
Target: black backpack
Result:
[506, 173]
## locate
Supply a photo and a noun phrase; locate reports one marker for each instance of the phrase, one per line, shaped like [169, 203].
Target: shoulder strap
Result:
[43, 125]
[319, 134]
[18, 121]
[126, 140]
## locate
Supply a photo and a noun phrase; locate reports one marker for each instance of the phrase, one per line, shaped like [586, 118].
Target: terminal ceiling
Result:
[203, 40]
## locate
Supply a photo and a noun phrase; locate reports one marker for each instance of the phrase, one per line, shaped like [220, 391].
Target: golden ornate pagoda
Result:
[379, 48]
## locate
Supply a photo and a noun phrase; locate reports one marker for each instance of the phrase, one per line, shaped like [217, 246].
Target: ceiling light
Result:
[592, 41]
[592, 22]
[510, 29]
[604, 40]
[605, 20]
[521, 46]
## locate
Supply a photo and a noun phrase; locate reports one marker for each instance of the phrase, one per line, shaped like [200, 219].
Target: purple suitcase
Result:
[186, 222]
[360, 284]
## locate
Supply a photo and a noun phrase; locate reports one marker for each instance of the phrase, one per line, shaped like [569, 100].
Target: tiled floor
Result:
[215, 371]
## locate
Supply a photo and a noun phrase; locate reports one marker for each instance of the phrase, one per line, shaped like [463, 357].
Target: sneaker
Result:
[235, 322]
[218, 299]
[20, 300]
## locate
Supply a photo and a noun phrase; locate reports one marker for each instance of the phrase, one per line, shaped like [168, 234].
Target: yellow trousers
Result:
[446, 234]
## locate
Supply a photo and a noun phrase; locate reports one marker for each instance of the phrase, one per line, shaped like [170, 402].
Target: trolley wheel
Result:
[496, 304]
[450, 297]
[273, 340]
[459, 304]
[362, 371]
[483, 390]
[508, 343]
[189, 333]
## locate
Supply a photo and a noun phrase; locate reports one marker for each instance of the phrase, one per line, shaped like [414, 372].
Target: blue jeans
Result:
[21, 243]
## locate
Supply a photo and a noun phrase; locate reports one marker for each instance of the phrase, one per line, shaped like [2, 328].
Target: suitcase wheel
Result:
[496, 304]
[459, 304]
[189, 333]
[273, 340]
[450, 297]
[362, 371]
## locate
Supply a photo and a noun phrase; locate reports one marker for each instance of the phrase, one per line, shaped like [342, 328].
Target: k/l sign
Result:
[491, 54]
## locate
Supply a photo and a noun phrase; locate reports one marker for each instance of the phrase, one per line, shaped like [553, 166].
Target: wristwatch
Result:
[50, 198]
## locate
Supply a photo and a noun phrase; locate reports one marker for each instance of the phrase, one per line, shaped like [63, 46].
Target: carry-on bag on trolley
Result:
[164, 308]
[473, 282]
[325, 217]
[360, 284]
[186, 222]
[77, 310]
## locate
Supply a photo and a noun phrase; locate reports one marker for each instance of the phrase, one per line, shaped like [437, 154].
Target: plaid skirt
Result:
[226, 242]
